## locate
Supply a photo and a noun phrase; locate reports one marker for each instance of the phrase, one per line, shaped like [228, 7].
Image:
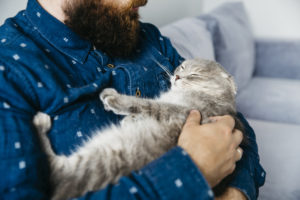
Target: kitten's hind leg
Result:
[42, 123]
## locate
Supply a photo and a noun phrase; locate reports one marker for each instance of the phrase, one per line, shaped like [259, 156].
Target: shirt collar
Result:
[57, 33]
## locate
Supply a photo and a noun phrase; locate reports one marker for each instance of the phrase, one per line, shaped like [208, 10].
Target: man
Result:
[57, 56]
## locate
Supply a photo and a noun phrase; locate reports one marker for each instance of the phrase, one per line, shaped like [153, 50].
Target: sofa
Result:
[267, 73]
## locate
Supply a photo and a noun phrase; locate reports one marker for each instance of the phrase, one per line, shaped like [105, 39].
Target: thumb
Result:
[194, 118]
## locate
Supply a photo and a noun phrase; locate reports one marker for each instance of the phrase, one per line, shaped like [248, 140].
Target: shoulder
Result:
[149, 29]
[152, 34]
[16, 36]
[19, 50]
[14, 29]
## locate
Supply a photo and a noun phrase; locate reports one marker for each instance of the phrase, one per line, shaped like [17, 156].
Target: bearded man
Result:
[57, 56]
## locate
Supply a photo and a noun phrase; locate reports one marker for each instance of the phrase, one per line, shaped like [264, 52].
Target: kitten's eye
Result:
[182, 67]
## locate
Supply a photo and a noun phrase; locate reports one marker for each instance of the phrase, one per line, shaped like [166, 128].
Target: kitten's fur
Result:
[151, 127]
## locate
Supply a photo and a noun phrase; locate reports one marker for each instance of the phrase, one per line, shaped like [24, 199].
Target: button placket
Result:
[103, 60]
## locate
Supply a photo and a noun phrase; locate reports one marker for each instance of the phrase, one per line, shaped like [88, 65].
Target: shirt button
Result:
[111, 66]
[137, 92]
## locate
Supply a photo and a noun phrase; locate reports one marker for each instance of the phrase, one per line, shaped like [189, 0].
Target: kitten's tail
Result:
[42, 123]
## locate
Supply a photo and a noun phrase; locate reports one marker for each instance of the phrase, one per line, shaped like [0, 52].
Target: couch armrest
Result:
[278, 58]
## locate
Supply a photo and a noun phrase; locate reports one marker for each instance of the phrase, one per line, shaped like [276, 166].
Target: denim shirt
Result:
[44, 66]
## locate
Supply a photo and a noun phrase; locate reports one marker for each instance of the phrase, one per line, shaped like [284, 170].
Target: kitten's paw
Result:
[42, 122]
[107, 92]
[109, 98]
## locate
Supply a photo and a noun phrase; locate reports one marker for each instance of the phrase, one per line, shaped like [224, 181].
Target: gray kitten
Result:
[151, 127]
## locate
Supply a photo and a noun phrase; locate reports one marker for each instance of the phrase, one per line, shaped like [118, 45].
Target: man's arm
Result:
[172, 176]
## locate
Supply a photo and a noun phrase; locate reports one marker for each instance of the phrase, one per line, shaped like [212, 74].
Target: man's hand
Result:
[232, 194]
[213, 147]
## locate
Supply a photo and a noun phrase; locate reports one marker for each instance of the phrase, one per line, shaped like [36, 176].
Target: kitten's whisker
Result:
[187, 83]
[167, 72]
[163, 67]
[167, 76]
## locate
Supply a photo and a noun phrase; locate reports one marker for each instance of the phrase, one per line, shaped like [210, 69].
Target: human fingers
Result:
[194, 118]
[239, 154]
[237, 137]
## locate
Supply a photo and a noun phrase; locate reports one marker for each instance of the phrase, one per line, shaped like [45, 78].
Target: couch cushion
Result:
[278, 58]
[271, 99]
[190, 38]
[278, 146]
[233, 40]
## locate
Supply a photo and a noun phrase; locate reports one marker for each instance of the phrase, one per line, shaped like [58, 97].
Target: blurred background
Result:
[269, 18]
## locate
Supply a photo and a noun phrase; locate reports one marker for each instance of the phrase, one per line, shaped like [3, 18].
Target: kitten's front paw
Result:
[107, 92]
[42, 122]
[109, 99]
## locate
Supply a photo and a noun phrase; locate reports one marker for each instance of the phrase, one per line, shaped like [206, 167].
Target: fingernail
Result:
[212, 119]
[194, 112]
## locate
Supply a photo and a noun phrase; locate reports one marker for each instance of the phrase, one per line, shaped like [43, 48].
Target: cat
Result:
[150, 128]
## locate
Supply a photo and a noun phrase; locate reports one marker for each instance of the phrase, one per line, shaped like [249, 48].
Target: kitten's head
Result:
[203, 76]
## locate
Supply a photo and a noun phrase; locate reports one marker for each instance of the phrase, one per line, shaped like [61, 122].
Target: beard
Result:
[112, 30]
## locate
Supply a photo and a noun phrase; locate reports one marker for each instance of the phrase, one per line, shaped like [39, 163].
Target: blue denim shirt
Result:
[44, 66]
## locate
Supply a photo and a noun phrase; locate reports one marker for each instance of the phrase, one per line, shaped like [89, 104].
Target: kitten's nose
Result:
[177, 77]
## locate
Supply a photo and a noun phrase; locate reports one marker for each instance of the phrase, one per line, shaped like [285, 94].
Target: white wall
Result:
[9, 8]
[270, 18]
[160, 12]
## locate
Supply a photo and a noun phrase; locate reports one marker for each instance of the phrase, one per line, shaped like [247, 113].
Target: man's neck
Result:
[54, 7]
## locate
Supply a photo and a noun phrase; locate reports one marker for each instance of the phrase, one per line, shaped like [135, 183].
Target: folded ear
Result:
[232, 84]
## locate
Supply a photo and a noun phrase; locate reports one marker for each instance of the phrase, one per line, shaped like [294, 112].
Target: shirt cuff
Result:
[244, 182]
[175, 171]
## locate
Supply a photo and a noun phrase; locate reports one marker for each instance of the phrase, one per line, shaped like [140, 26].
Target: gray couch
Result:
[267, 73]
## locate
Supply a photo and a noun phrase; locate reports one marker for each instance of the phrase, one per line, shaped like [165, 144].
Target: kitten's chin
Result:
[176, 86]
[179, 85]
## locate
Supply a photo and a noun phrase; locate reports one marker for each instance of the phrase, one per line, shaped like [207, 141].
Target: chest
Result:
[73, 102]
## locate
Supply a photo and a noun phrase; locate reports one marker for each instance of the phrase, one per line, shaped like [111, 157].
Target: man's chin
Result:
[112, 31]
[121, 42]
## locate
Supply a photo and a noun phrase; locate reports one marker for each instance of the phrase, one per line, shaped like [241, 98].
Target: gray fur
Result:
[151, 127]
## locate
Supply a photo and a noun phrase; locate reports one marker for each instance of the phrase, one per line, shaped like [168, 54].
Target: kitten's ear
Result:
[232, 84]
